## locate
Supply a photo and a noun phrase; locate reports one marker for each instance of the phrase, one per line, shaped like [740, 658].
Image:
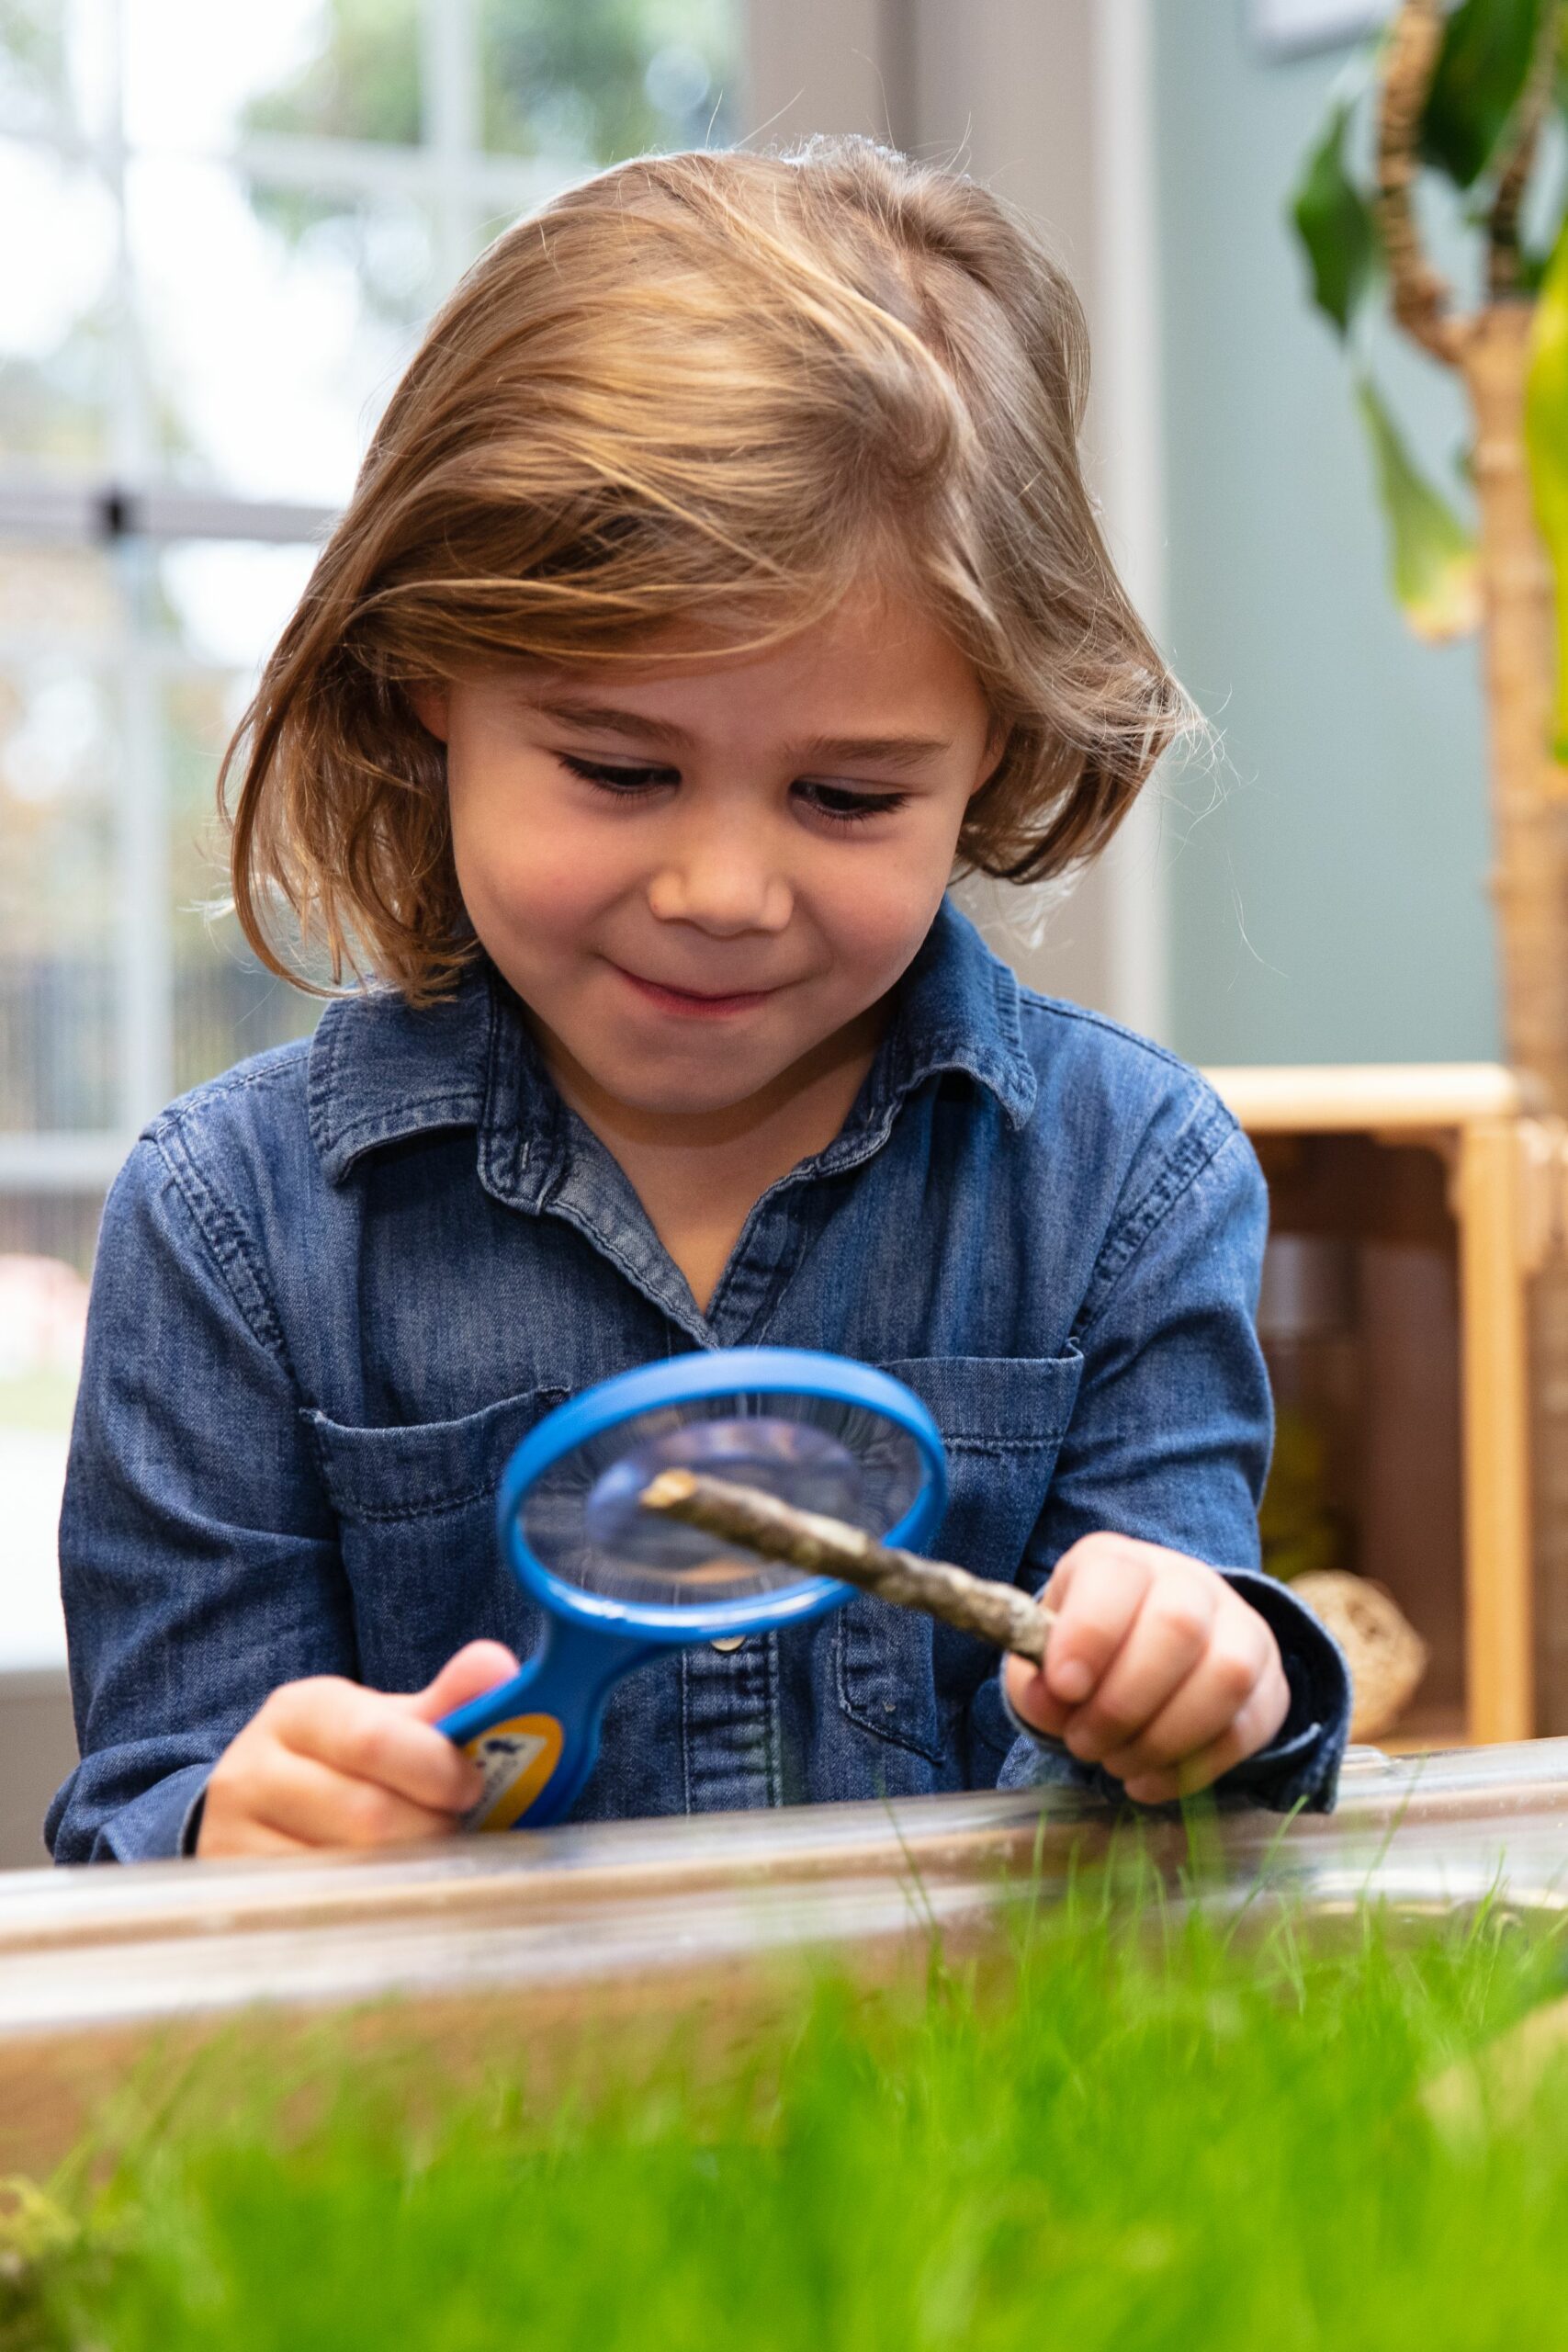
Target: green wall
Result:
[1327, 879]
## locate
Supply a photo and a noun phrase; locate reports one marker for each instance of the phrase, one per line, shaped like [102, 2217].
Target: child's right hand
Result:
[325, 1762]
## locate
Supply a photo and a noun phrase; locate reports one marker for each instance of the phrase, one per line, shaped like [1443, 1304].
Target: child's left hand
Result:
[1156, 1670]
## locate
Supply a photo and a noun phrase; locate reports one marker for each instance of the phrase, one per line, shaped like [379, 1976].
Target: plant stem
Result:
[1503, 220]
[1419, 297]
[1530, 888]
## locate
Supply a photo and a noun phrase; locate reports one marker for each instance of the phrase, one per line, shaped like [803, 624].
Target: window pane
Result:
[51, 1224]
[57, 900]
[226, 1004]
[55, 288]
[32, 64]
[227, 601]
[276, 323]
[592, 84]
[56, 69]
[62, 597]
[356, 77]
[195, 79]
[224, 603]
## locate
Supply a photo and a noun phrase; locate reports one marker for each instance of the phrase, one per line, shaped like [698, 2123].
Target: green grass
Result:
[1139, 2140]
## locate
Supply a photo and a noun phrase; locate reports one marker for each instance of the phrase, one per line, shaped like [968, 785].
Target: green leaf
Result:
[1546, 446]
[1334, 223]
[1533, 267]
[1486, 56]
[1432, 559]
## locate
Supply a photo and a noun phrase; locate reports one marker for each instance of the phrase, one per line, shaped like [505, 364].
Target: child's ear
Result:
[430, 707]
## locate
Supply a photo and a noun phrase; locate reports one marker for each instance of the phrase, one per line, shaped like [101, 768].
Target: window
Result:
[224, 229]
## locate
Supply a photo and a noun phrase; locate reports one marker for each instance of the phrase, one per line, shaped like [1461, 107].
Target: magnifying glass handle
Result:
[535, 1737]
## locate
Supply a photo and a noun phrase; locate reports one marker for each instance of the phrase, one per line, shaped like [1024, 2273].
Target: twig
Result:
[1503, 220]
[1419, 297]
[830, 1547]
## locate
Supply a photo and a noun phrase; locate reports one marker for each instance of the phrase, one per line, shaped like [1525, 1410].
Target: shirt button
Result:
[731, 1642]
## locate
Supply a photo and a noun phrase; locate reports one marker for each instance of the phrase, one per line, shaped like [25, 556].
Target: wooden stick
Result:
[830, 1547]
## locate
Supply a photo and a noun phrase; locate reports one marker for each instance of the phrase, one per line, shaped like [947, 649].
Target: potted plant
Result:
[1466, 96]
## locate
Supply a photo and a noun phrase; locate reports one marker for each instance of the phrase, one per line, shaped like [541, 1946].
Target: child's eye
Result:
[614, 778]
[846, 808]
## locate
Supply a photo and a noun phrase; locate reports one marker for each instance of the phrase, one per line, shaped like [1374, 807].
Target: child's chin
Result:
[690, 1087]
[692, 1101]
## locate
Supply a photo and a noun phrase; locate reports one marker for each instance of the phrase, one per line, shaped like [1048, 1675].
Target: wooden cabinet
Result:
[1445, 1196]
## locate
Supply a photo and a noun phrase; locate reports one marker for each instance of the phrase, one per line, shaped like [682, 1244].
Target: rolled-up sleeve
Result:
[1170, 1435]
[200, 1564]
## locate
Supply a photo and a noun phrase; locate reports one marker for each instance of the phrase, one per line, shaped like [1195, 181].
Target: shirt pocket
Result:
[898, 1674]
[416, 1513]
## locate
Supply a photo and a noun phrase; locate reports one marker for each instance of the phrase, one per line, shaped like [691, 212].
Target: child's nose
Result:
[724, 884]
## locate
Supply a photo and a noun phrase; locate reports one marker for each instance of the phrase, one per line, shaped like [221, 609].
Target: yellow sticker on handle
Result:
[517, 1758]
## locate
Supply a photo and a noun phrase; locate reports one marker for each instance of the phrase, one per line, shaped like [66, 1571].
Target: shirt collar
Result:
[381, 1073]
[958, 1010]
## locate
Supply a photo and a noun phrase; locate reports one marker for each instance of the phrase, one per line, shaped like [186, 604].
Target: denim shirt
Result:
[335, 1286]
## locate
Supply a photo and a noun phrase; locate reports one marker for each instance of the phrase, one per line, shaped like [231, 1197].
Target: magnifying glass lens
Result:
[582, 1522]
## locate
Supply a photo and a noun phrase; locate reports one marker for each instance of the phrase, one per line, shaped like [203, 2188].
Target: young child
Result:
[720, 580]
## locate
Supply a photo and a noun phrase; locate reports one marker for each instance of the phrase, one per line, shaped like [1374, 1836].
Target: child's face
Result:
[695, 878]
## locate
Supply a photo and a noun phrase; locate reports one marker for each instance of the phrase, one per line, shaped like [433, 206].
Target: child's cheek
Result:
[542, 880]
[878, 915]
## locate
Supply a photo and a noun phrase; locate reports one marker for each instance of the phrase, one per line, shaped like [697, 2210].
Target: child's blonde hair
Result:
[709, 388]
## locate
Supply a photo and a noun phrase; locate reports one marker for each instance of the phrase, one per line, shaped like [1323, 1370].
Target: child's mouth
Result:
[691, 1001]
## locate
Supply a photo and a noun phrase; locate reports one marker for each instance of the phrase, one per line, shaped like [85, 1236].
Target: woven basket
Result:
[1386, 1655]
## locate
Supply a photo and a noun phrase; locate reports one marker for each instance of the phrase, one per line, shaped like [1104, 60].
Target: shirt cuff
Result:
[1300, 1767]
[190, 1827]
[158, 1826]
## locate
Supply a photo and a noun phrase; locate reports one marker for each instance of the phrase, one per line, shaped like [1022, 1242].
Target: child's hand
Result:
[1156, 1669]
[325, 1762]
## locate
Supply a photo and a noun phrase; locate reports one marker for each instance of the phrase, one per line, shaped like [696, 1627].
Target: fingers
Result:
[1157, 1670]
[368, 1735]
[1096, 1591]
[1221, 1685]
[475, 1669]
[325, 1762]
[301, 1798]
[1171, 1632]
[1253, 1727]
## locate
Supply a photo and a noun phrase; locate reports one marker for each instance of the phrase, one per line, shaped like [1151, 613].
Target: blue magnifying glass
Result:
[618, 1585]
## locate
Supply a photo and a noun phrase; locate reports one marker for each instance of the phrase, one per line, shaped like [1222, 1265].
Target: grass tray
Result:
[1164, 2130]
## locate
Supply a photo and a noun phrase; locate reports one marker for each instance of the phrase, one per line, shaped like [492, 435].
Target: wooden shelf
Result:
[1368, 1097]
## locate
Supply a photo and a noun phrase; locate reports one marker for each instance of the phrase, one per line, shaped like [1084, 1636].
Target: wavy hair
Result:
[710, 388]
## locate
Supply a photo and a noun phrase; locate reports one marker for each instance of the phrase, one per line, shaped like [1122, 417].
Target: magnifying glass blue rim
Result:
[684, 1380]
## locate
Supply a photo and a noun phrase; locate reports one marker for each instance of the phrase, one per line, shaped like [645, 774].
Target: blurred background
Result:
[221, 230]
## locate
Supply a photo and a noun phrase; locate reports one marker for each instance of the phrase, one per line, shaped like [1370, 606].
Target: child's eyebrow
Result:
[882, 751]
[888, 751]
